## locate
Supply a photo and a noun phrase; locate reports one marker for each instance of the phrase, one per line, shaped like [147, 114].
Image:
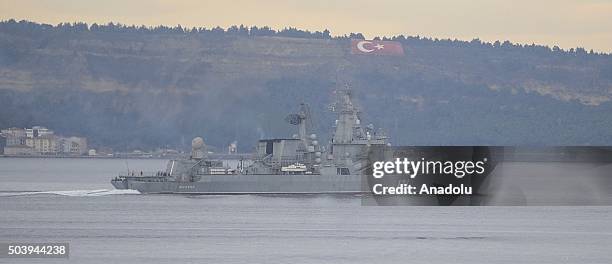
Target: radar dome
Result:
[197, 143]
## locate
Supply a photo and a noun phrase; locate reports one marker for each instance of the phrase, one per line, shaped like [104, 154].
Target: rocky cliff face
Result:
[146, 89]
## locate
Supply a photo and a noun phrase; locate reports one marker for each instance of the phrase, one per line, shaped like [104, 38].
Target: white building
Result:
[73, 145]
[37, 131]
[18, 150]
[14, 136]
[45, 144]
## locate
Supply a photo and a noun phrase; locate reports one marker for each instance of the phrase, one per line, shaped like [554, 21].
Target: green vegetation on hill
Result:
[137, 87]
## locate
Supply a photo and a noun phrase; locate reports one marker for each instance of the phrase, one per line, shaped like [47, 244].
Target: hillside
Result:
[130, 87]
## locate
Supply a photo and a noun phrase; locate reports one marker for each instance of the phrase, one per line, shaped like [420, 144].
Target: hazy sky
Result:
[566, 23]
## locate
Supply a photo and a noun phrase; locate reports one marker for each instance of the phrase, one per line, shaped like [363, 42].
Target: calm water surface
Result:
[71, 200]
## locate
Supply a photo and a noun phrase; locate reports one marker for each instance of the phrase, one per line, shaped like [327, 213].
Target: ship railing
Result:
[286, 161]
[293, 161]
[143, 174]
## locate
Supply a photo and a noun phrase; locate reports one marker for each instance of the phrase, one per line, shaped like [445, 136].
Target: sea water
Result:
[71, 200]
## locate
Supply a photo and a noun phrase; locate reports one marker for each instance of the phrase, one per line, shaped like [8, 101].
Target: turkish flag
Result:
[376, 47]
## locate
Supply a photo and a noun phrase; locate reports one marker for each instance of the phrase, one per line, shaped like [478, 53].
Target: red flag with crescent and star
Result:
[376, 47]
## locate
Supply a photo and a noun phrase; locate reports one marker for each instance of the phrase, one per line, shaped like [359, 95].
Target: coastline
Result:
[243, 156]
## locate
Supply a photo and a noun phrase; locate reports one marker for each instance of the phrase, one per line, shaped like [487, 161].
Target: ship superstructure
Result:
[297, 164]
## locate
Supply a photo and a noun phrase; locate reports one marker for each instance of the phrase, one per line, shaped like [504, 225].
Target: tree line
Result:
[22, 26]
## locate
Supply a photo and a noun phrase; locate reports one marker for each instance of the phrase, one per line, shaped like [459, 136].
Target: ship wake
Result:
[73, 193]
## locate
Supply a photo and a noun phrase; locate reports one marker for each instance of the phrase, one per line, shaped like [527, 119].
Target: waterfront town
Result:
[39, 140]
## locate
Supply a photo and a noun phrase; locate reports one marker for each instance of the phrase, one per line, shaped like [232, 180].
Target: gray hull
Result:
[295, 165]
[250, 184]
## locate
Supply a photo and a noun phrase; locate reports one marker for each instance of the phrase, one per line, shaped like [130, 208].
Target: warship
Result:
[293, 165]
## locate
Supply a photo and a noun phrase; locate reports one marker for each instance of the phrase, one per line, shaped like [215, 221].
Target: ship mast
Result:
[348, 125]
[350, 137]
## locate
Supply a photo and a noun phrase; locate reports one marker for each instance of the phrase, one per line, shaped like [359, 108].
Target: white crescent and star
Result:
[362, 48]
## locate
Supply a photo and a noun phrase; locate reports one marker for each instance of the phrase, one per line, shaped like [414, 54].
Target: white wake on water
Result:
[75, 193]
